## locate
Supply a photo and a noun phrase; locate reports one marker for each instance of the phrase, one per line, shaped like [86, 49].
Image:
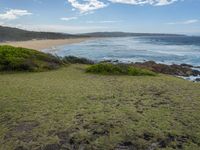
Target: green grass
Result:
[22, 59]
[72, 109]
[118, 69]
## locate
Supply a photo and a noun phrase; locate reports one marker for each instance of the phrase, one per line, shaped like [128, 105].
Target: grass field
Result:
[69, 109]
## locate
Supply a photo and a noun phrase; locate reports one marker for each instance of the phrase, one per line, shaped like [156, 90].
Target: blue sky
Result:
[78, 16]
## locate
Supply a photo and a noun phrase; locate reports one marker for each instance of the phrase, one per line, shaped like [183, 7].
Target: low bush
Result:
[76, 60]
[118, 69]
[22, 59]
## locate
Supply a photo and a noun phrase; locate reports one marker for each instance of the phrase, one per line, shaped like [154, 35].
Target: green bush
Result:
[140, 72]
[118, 69]
[22, 59]
[76, 60]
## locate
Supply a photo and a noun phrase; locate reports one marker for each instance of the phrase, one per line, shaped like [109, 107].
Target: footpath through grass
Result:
[70, 109]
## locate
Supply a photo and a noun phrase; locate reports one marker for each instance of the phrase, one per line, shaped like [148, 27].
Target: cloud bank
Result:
[103, 22]
[59, 28]
[68, 18]
[13, 14]
[192, 21]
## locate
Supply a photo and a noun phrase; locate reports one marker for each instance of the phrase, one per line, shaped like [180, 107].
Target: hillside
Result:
[22, 59]
[15, 34]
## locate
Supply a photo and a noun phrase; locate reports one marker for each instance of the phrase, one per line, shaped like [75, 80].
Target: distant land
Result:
[15, 34]
[124, 34]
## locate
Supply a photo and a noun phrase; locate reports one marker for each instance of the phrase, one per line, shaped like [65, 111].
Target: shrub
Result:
[76, 60]
[118, 69]
[140, 72]
[22, 59]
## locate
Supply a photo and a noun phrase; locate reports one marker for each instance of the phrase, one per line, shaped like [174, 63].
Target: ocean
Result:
[161, 49]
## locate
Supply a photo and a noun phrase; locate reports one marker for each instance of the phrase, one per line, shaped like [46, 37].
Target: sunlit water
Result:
[168, 50]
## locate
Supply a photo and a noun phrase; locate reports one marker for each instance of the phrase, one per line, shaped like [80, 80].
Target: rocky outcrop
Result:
[178, 70]
[197, 80]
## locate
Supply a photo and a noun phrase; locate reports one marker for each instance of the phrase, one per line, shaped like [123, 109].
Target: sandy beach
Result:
[44, 44]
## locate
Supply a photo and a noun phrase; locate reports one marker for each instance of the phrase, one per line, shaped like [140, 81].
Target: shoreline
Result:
[185, 71]
[45, 44]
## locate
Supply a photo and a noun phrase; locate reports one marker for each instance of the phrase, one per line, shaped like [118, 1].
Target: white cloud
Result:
[87, 5]
[184, 22]
[13, 14]
[142, 2]
[108, 21]
[68, 18]
[90, 5]
[59, 28]
[163, 2]
[102, 22]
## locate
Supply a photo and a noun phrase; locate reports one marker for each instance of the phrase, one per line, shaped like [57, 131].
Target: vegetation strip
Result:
[118, 69]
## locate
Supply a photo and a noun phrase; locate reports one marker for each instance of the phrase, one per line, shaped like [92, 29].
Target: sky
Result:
[81, 16]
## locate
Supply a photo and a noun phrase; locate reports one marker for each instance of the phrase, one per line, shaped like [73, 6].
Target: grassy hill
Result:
[71, 109]
[22, 59]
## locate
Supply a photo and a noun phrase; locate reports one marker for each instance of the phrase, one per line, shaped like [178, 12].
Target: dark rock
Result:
[106, 61]
[116, 61]
[197, 79]
[177, 70]
[197, 67]
[195, 72]
[77, 60]
[186, 65]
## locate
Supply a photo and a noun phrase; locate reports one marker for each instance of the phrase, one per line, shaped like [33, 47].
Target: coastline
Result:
[185, 71]
[45, 44]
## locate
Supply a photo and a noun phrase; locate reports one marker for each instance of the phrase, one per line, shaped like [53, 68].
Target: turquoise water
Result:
[168, 50]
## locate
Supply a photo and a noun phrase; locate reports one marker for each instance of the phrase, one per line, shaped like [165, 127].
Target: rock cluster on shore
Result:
[183, 70]
[197, 80]
[177, 70]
